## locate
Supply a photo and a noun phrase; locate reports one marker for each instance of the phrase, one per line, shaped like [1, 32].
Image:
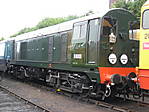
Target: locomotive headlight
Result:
[112, 58]
[124, 59]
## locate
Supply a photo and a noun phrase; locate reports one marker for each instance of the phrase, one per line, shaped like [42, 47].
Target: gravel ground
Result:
[48, 99]
[9, 103]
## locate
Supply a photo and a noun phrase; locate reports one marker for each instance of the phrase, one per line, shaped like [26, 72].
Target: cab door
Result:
[93, 32]
[63, 37]
[56, 48]
[78, 49]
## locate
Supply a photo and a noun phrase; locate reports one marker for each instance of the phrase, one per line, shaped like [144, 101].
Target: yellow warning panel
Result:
[144, 37]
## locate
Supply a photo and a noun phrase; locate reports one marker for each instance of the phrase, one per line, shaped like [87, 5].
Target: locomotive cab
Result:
[104, 43]
[118, 53]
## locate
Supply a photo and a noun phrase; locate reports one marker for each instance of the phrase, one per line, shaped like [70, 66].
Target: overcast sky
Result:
[18, 14]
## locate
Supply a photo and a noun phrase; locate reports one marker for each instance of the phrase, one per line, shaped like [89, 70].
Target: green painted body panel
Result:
[79, 51]
[33, 49]
[43, 49]
[56, 49]
[78, 43]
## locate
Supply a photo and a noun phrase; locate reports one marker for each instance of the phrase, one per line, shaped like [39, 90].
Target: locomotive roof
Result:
[60, 27]
[54, 29]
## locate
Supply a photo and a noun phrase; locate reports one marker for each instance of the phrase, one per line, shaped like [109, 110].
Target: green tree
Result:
[53, 21]
[49, 22]
[134, 7]
[24, 30]
[120, 4]
[2, 38]
[71, 17]
[45, 23]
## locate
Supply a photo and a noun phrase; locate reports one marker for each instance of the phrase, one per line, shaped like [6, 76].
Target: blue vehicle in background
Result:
[6, 54]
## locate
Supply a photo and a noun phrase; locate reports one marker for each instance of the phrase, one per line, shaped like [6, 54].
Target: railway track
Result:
[11, 102]
[129, 105]
[117, 104]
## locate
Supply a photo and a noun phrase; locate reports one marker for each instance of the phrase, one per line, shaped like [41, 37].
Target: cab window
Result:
[79, 35]
[134, 30]
[79, 30]
[109, 25]
[145, 19]
[109, 29]
[76, 32]
[92, 40]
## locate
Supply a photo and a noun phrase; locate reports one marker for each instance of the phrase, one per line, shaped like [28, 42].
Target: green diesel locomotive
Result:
[95, 55]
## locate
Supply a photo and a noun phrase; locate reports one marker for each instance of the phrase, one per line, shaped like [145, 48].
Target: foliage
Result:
[2, 38]
[120, 4]
[49, 22]
[45, 23]
[24, 30]
[134, 7]
[90, 12]
[53, 21]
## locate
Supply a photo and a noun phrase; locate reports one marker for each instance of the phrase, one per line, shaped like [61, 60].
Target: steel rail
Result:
[24, 99]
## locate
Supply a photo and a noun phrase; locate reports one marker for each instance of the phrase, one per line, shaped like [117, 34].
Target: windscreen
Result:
[146, 19]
